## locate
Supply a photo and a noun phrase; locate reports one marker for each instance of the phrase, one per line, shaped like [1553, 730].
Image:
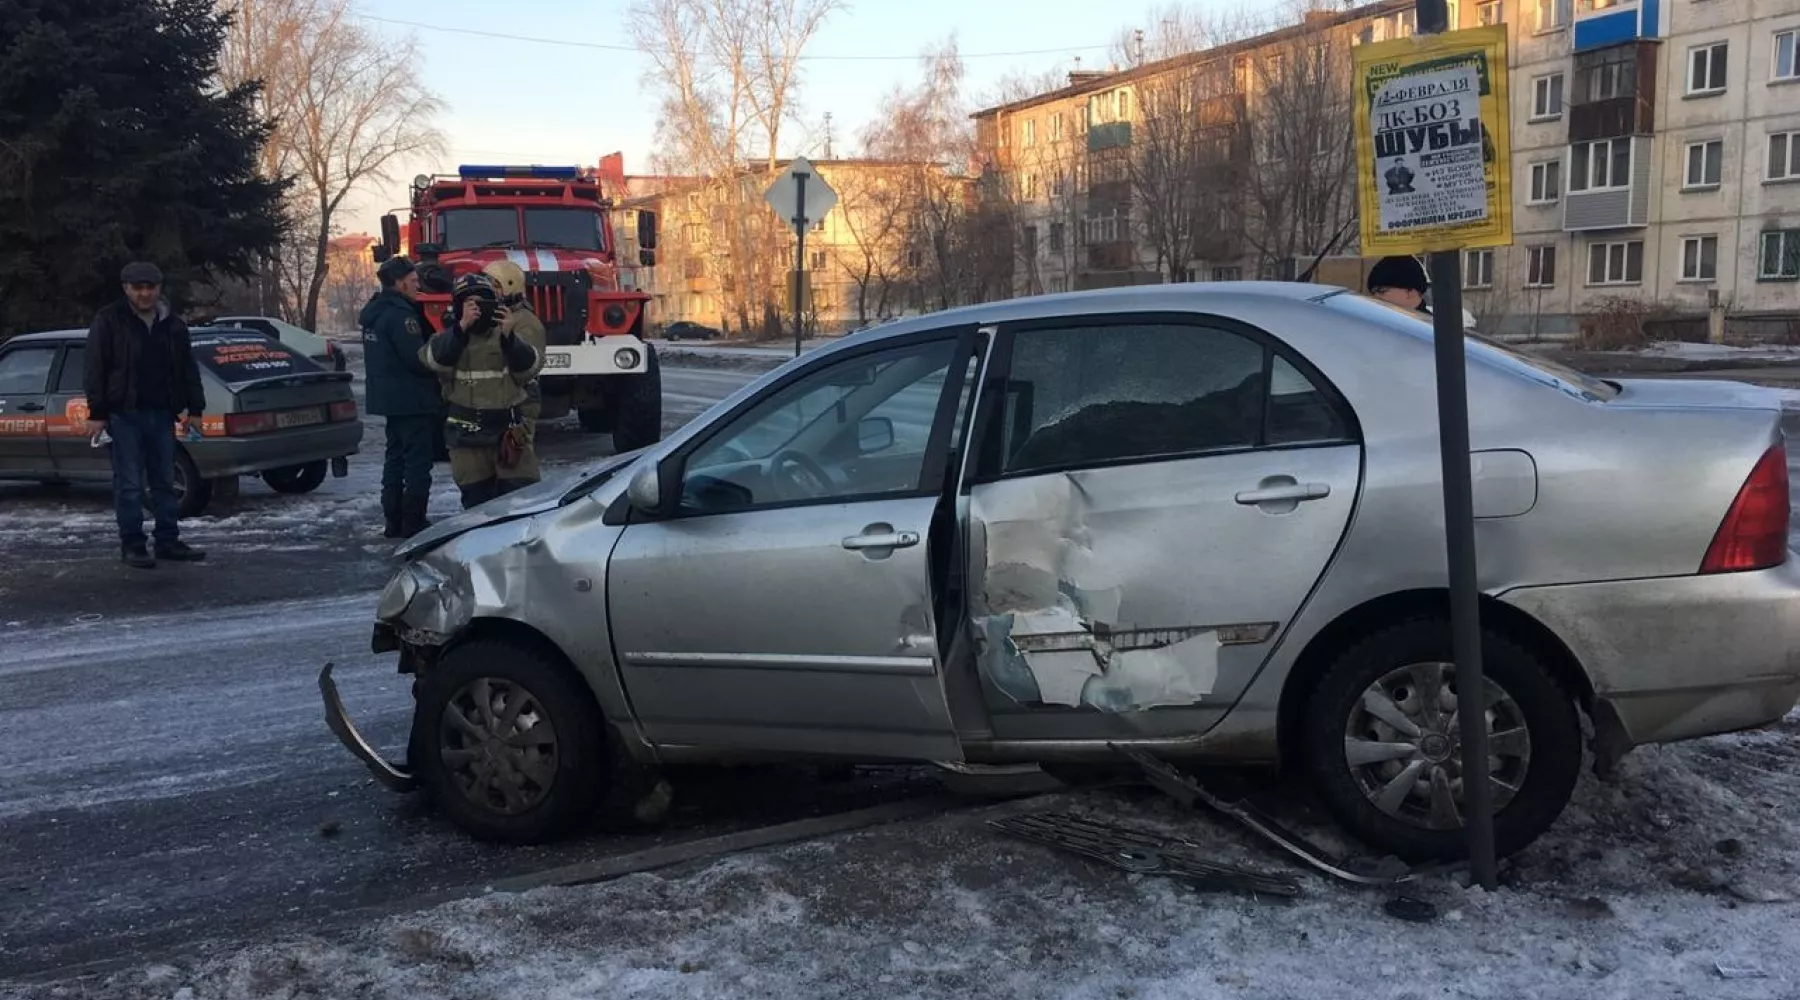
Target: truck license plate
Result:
[300, 418]
[557, 359]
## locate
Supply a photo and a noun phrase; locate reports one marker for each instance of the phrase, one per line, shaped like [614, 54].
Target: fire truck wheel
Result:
[636, 402]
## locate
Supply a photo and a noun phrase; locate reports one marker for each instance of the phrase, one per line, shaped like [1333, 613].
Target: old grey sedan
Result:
[1202, 520]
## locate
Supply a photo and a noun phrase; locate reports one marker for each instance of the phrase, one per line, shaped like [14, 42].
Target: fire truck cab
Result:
[553, 222]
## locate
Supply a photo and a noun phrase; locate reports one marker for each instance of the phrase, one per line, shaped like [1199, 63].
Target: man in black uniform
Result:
[402, 389]
[1401, 281]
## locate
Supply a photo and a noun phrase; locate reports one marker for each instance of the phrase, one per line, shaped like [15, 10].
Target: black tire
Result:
[636, 403]
[296, 478]
[578, 776]
[192, 493]
[1547, 713]
[595, 420]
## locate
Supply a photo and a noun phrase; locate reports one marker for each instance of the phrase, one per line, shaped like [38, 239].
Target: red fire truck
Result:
[553, 222]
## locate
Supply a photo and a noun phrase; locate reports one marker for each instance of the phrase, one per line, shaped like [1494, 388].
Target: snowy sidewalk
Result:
[1643, 891]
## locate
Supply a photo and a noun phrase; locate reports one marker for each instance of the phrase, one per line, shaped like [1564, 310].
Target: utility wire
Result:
[567, 43]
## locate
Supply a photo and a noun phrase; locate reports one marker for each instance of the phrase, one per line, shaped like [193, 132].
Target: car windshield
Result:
[1528, 366]
[474, 228]
[570, 228]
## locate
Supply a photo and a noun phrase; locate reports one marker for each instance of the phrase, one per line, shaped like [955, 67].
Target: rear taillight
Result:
[345, 410]
[240, 424]
[1754, 534]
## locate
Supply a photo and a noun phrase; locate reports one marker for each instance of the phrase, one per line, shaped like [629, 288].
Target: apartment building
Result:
[1068, 167]
[862, 259]
[1654, 156]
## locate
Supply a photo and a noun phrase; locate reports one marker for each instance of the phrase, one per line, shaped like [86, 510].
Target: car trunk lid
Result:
[273, 388]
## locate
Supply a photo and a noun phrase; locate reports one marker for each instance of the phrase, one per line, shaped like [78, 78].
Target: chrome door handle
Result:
[885, 540]
[1292, 493]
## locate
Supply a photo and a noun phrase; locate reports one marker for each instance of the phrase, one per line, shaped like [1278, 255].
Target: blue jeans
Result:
[143, 451]
[407, 461]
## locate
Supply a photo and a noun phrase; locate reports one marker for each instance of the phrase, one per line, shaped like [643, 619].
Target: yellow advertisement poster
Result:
[1433, 143]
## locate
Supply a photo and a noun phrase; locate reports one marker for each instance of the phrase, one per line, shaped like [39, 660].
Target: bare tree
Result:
[347, 108]
[728, 75]
[872, 205]
[1300, 198]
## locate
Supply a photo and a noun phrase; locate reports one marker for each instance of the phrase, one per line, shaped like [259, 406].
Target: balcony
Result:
[1614, 93]
[1600, 23]
[1617, 192]
[1111, 135]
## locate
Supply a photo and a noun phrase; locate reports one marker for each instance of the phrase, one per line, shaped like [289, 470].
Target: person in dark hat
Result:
[141, 379]
[1401, 281]
[402, 390]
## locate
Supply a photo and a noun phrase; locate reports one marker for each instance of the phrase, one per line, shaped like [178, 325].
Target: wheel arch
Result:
[1390, 609]
[620, 740]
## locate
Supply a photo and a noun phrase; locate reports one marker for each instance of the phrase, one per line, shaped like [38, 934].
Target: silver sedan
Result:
[1204, 520]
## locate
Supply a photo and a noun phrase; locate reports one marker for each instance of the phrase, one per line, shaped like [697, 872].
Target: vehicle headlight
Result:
[398, 596]
[626, 358]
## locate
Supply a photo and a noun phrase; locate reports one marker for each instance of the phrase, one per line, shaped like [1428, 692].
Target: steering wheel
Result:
[798, 477]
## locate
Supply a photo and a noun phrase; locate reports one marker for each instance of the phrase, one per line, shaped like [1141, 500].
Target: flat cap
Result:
[140, 272]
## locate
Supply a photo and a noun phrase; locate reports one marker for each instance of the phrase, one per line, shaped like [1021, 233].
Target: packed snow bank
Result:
[1646, 889]
[1720, 352]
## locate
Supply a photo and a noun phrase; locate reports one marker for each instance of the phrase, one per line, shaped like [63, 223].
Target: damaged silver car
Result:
[1203, 521]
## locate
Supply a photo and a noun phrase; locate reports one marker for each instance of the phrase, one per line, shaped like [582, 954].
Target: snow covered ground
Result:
[1678, 881]
[1720, 352]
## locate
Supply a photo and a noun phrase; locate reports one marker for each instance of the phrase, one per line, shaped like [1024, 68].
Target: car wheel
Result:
[508, 743]
[296, 478]
[636, 402]
[192, 493]
[1383, 746]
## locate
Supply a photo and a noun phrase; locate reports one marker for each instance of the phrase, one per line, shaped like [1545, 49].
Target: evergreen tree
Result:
[117, 144]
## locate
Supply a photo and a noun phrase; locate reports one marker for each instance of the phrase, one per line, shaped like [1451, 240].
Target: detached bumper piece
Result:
[393, 776]
[1142, 854]
[1190, 793]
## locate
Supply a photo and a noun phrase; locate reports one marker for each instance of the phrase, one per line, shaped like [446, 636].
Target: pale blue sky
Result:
[521, 101]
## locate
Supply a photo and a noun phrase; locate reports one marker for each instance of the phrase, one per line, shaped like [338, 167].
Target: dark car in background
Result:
[270, 412]
[681, 329]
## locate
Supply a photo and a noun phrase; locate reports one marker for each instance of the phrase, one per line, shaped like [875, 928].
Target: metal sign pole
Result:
[1459, 533]
[799, 257]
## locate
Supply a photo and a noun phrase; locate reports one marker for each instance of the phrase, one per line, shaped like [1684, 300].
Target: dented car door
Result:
[1152, 502]
[789, 603]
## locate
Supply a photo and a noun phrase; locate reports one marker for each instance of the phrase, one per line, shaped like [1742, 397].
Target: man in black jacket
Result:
[142, 377]
[404, 391]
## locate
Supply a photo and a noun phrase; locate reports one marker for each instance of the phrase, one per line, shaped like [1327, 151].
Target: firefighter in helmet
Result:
[509, 282]
[485, 368]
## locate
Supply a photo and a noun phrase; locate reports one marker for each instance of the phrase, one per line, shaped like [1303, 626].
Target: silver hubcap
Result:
[1403, 746]
[499, 746]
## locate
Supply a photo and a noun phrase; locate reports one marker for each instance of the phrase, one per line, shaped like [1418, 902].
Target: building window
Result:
[1031, 243]
[1699, 258]
[1056, 237]
[818, 260]
[1552, 15]
[1030, 190]
[1780, 255]
[1124, 97]
[1706, 69]
[1059, 184]
[1610, 80]
[1547, 97]
[1056, 127]
[1593, 5]
[1787, 67]
[1705, 164]
[1029, 139]
[1227, 274]
[1546, 182]
[1784, 156]
[1616, 263]
[1478, 268]
[1540, 269]
[1489, 13]
[1600, 166]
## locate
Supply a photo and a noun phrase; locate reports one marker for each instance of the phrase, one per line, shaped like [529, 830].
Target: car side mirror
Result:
[646, 231]
[645, 489]
[874, 434]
